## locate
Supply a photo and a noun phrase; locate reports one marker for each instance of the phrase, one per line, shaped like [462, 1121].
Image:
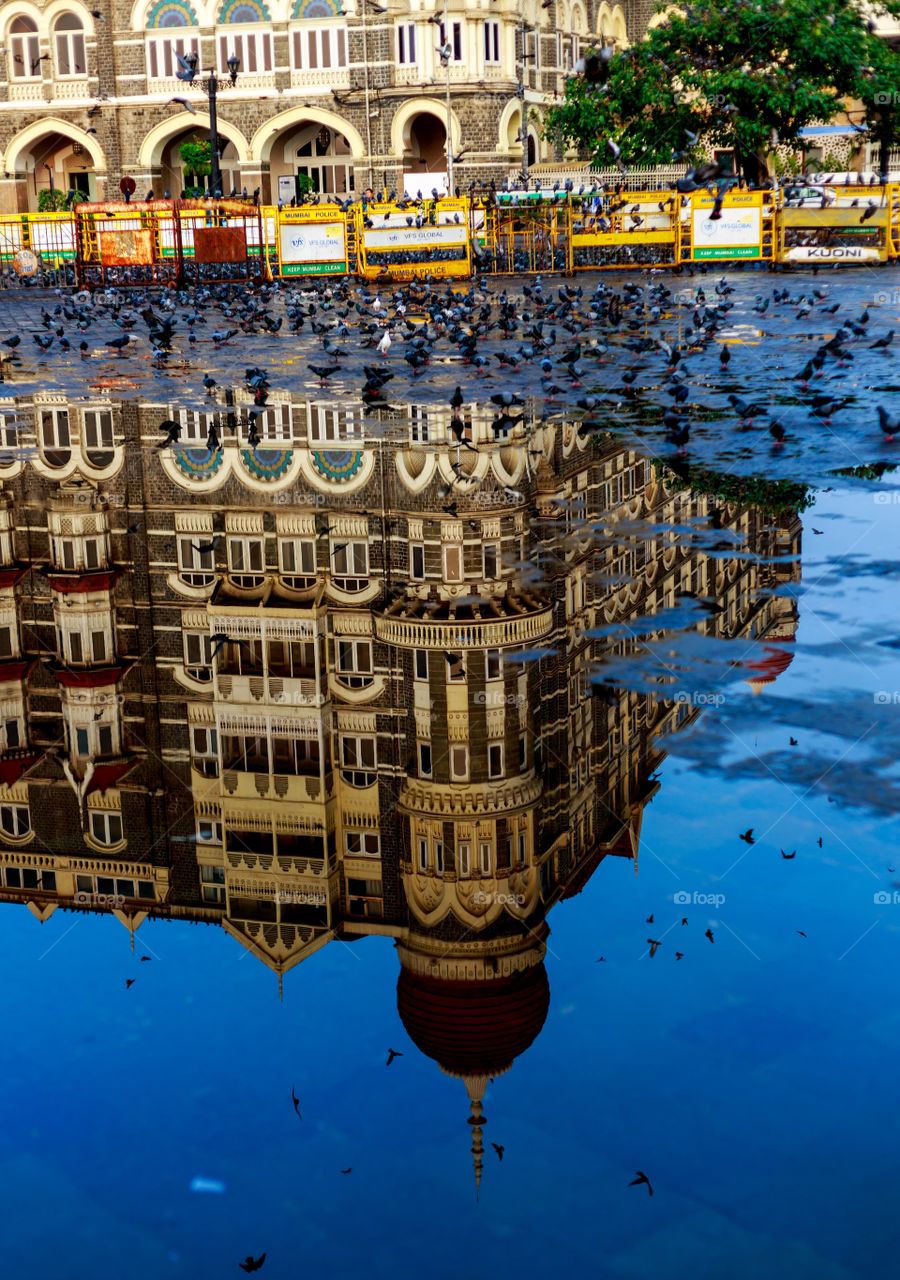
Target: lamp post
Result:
[447, 40]
[211, 88]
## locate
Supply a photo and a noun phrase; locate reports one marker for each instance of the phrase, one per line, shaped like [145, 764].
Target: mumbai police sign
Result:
[849, 253]
[310, 248]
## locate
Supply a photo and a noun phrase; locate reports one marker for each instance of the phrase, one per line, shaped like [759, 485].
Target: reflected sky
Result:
[750, 1078]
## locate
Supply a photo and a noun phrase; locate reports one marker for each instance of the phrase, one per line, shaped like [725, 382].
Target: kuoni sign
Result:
[737, 234]
[311, 248]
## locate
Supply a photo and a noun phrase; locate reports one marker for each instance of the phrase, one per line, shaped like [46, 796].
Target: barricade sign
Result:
[852, 236]
[121, 243]
[625, 230]
[404, 241]
[744, 229]
[311, 242]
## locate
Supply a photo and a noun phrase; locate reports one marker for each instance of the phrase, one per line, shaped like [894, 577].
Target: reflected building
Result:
[357, 678]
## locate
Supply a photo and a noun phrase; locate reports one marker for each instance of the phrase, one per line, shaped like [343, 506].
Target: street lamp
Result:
[211, 88]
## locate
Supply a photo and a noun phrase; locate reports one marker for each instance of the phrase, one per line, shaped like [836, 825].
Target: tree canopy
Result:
[737, 73]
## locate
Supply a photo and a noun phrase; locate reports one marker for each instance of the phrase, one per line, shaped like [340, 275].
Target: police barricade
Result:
[39, 246]
[126, 243]
[220, 241]
[313, 241]
[395, 242]
[856, 227]
[638, 229]
[744, 230]
[526, 234]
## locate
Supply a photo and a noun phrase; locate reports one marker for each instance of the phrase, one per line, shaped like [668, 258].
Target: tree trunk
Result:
[750, 166]
[884, 135]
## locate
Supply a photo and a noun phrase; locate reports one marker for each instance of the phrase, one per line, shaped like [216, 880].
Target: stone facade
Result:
[349, 98]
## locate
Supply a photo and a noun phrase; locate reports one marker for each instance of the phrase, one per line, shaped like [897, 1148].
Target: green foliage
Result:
[197, 156]
[731, 72]
[773, 497]
[305, 184]
[52, 201]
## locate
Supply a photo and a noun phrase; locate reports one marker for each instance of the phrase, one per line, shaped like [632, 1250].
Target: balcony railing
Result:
[267, 688]
[272, 786]
[496, 633]
[334, 78]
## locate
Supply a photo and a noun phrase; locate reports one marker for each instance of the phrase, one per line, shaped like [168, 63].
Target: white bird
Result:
[183, 102]
[376, 305]
[384, 345]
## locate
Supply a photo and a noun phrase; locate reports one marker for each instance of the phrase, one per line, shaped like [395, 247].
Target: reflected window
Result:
[363, 844]
[493, 664]
[359, 759]
[15, 820]
[106, 828]
[8, 642]
[453, 561]
[205, 750]
[459, 763]
[246, 557]
[365, 898]
[55, 437]
[198, 654]
[350, 564]
[490, 555]
[212, 884]
[209, 832]
[98, 435]
[464, 858]
[423, 853]
[425, 759]
[485, 858]
[420, 664]
[297, 558]
[495, 760]
[195, 567]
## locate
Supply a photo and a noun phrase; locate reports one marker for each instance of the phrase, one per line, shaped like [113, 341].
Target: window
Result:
[417, 560]
[28, 878]
[439, 856]
[354, 663]
[55, 438]
[456, 667]
[8, 646]
[161, 50]
[464, 858]
[272, 423]
[104, 739]
[523, 847]
[212, 884]
[358, 759]
[320, 48]
[69, 40]
[15, 820]
[365, 898]
[24, 50]
[329, 422]
[253, 48]
[459, 763]
[297, 557]
[246, 558]
[94, 553]
[198, 654]
[205, 750]
[420, 664]
[495, 760]
[523, 750]
[453, 562]
[98, 430]
[406, 43]
[425, 759]
[196, 425]
[419, 426]
[484, 857]
[99, 651]
[423, 854]
[195, 567]
[208, 831]
[455, 40]
[492, 42]
[363, 844]
[350, 563]
[491, 560]
[12, 734]
[493, 664]
[106, 828]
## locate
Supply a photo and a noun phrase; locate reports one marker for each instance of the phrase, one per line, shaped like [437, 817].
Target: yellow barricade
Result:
[50, 236]
[526, 238]
[407, 242]
[859, 228]
[636, 229]
[313, 240]
[745, 231]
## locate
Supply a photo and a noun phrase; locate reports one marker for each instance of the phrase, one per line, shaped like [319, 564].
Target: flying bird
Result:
[642, 1181]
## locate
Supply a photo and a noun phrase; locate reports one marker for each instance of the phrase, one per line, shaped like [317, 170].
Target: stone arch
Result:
[150, 154]
[403, 120]
[23, 10]
[51, 124]
[267, 135]
[579, 20]
[620, 29]
[58, 8]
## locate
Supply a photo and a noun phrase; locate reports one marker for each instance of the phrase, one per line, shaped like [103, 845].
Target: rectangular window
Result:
[106, 828]
[98, 646]
[350, 560]
[198, 654]
[196, 567]
[358, 754]
[464, 858]
[425, 759]
[492, 42]
[354, 662]
[491, 560]
[453, 562]
[6, 642]
[420, 664]
[104, 740]
[495, 760]
[423, 854]
[406, 43]
[161, 50]
[76, 648]
[523, 846]
[297, 557]
[484, 857]
[419, 426]
[322, 48]
[12, 736]
[70, 60]
[253, 48]
[98, 429]
[439, 856]
[209, 832]
[417, 561]
[82, 742]
[455, 39]
[24, 55]
[459, 763]
[493, 664]
[246, 555]
[55, 429]
[93, 553]
[366, 844]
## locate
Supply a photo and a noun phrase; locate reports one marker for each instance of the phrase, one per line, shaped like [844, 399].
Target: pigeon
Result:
[252, 1264]
[642, 1181]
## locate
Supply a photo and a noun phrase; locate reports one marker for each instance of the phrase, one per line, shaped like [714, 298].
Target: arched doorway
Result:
[176, 176]
[55, 165]
[311, 157]
[427, 151]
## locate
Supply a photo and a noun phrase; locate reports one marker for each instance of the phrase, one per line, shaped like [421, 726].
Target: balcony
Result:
[71, 89]
[333, 78]
[274, 786]
[493, 623]
[281, 690]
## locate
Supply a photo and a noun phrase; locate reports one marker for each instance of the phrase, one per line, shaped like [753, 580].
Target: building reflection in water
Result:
[342, 683]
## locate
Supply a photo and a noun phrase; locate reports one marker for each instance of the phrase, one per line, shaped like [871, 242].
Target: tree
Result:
[743, 74]
[197, 156]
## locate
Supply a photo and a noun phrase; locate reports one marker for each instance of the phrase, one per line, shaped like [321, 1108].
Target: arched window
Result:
[106, 827]
[24, 50]
[253, 49]
[68, 40]
[15, 821]
[169, 16]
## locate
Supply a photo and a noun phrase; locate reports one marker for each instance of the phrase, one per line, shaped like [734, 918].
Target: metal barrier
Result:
[859, 228]
[311, 241]
[633, 230]
[37, 245]
[405, 242]
[221, 241]
[744, 232]
[124, 243]
[526, 238]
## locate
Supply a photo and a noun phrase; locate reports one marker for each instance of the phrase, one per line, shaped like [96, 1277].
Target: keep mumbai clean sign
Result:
[737, 234]
[306, 248]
